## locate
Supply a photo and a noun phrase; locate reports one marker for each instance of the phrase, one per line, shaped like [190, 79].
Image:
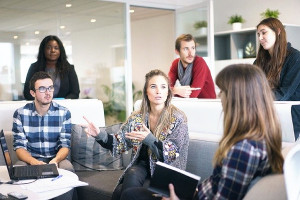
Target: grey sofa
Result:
[102, 183]
[205, 129]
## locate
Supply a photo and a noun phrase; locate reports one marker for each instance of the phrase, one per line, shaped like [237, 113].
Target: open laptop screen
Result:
[5, 151]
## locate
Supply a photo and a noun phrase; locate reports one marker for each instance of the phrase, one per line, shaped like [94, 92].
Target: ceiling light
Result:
[27, 43]
[93, 20]
[15, 37]
[68, 5]
[131, 11]
[62, 27]
[36, 32]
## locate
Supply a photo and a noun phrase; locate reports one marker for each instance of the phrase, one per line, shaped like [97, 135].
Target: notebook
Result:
[185, 183]
[25, 172]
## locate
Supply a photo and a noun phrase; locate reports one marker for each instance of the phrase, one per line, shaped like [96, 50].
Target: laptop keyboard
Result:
[28, 171]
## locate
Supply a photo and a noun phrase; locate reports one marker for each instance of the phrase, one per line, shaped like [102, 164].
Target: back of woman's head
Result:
[248, 111]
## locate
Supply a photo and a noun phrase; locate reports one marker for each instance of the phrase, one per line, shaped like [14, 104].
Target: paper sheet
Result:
[43, 185]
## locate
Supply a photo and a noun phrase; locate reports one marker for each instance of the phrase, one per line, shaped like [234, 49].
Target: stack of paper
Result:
[48, 184]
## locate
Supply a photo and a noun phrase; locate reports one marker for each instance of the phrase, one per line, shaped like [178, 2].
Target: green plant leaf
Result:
[236, 18]
[200, 24]
[270, 13]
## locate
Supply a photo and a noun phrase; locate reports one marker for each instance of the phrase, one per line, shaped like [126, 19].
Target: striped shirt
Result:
[245, 161]
[42, 136]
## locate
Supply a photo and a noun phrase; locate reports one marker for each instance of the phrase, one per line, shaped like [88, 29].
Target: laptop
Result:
[25, 172]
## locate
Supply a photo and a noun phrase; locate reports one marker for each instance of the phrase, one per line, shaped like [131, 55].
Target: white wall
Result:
[251, 10]
[153, 46]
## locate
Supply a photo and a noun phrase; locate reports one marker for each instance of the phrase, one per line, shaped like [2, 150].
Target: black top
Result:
[69, 85]
[289, 84]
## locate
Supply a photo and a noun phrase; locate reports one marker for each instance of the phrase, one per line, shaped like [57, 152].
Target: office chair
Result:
[292, 173]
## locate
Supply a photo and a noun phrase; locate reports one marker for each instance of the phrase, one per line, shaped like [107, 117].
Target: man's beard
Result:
[44, 103]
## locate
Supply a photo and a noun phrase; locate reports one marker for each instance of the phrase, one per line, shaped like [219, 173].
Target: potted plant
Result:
[114, 107]
[270, 13]
[236, 21]
[201, 26]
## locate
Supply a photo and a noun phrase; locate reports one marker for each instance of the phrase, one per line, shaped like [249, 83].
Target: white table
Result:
[6, 188]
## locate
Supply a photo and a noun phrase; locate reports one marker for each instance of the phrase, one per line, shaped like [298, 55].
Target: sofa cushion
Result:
[9, 140]
[202, 148]
[87, 153]
[269, 187]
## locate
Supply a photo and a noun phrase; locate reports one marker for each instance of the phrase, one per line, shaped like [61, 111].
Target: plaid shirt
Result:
[42, 136]
[245, 161]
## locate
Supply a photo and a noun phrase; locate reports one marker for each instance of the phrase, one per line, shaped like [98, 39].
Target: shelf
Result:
[228, 44]
[236, 31]
[231, 44]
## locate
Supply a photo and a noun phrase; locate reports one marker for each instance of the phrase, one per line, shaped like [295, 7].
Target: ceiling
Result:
[23, 17]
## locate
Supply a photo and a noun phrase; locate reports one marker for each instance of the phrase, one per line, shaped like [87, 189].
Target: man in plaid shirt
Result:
[42, 129]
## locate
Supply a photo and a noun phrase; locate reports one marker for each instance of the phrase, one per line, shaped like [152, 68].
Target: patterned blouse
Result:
[245, 161]
[174, 139]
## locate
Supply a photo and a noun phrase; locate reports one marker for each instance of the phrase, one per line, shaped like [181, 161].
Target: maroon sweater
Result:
[201, 78]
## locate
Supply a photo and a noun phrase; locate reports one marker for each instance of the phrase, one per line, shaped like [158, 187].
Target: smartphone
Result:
[17, 195]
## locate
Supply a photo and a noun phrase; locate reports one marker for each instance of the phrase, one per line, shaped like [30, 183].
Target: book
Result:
[184, 182]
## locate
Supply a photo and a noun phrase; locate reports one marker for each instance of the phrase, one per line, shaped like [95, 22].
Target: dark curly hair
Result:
[62, 62]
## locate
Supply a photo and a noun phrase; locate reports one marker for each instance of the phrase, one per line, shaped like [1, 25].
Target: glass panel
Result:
[151, 42]
[94, 37]
[194, 22]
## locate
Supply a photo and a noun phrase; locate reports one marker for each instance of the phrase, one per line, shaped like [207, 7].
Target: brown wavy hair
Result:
[248, 112]
[166, 114]
[272, 64]
[183, 37]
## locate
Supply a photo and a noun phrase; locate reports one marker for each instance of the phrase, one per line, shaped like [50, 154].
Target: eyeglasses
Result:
[43, 89]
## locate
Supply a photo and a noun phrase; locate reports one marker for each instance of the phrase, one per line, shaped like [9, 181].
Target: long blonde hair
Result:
[248, 112]
[166, 114]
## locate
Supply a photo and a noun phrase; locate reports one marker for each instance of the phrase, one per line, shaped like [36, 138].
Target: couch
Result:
[205, 130]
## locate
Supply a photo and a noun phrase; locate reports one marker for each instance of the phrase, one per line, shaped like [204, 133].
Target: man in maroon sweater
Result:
[191, 71]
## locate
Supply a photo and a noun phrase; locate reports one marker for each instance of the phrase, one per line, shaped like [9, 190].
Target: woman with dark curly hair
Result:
[52, 58]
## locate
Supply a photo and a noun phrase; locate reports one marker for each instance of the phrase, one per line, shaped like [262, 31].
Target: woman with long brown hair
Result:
[281, 64]
[251, 144]
[156, 132]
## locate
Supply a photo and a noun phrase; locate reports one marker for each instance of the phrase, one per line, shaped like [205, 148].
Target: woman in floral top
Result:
[157, 132]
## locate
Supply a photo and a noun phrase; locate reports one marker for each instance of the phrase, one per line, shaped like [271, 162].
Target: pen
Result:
[56, 178]
[157, 195]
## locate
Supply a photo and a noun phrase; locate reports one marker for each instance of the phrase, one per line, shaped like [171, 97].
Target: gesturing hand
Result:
[184, 91]
[138, 135]
[91, 129]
